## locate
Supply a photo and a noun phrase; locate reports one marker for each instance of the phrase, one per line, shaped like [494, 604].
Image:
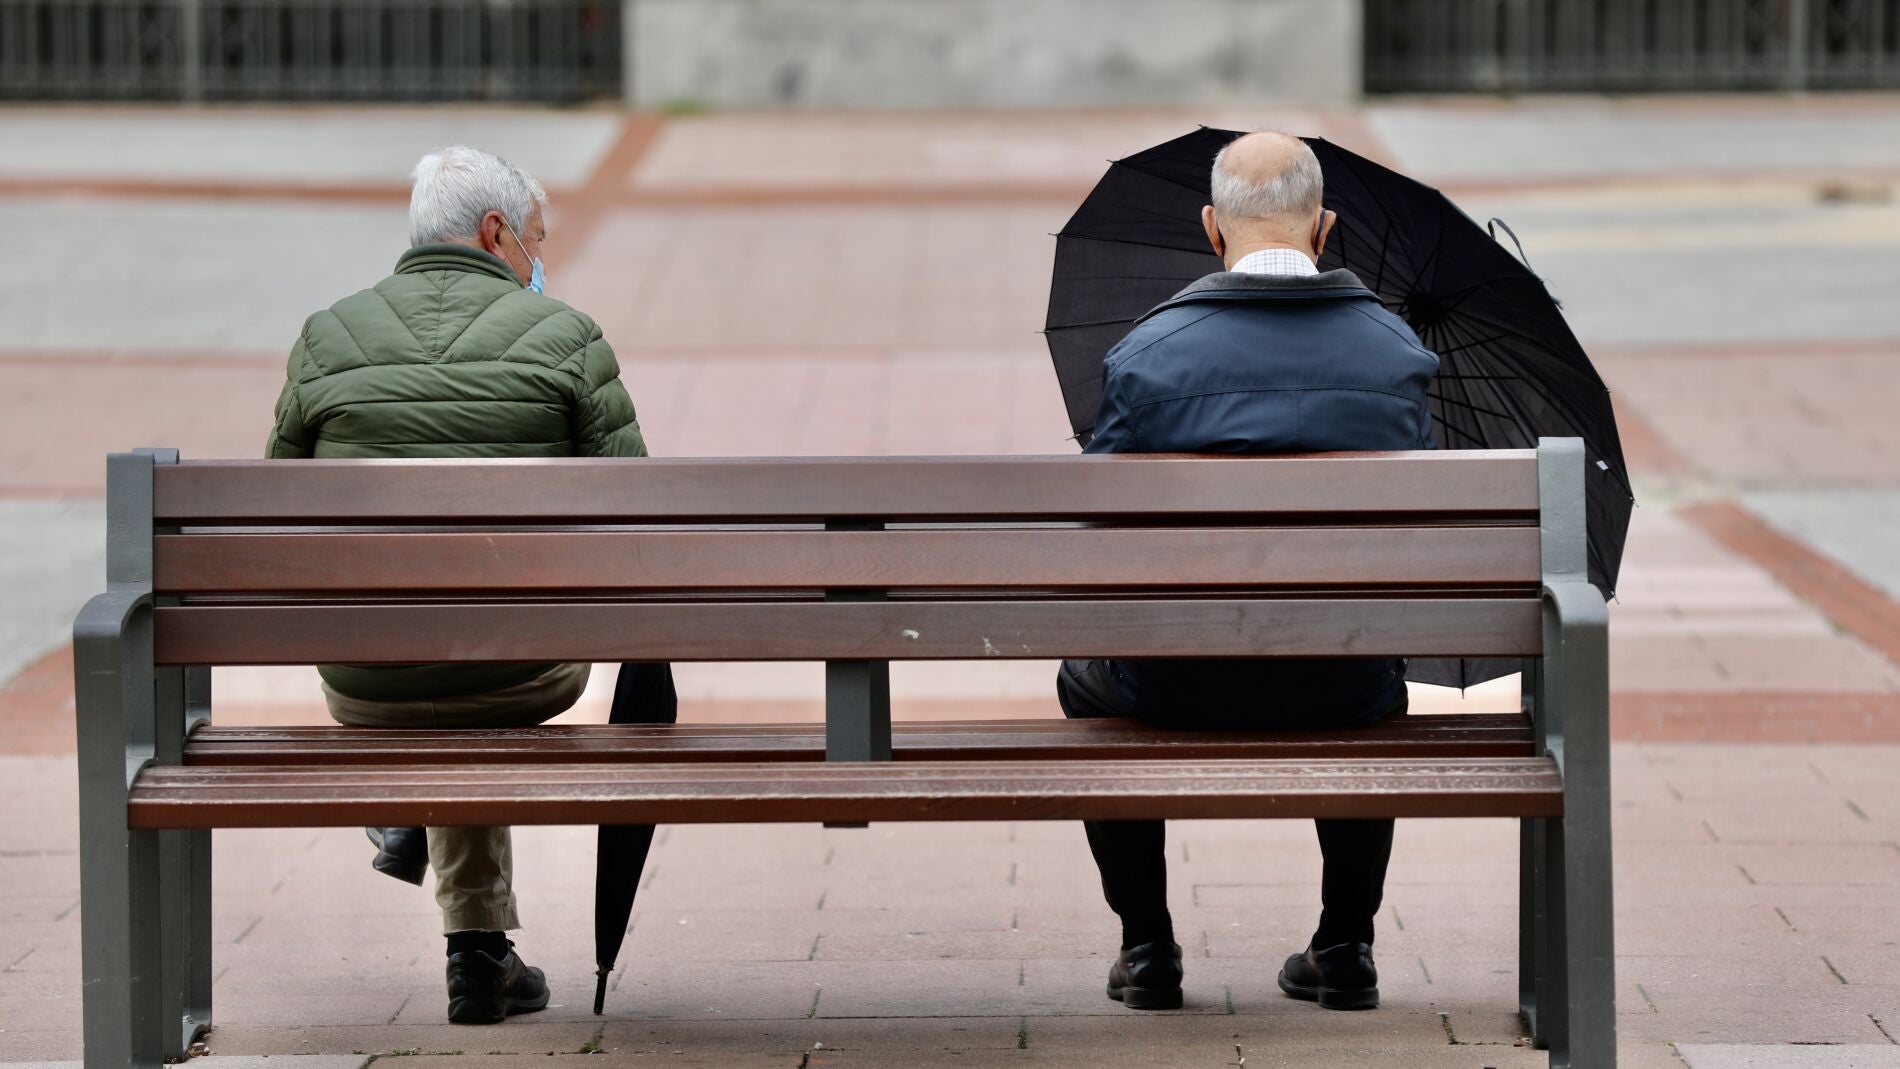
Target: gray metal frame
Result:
[146, 896]
[1566, 938]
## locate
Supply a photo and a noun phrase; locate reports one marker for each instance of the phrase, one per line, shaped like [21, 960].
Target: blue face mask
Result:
[537, 278]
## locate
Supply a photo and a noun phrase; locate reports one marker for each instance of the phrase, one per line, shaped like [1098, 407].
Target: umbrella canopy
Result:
[643, 695]
[1510, 370]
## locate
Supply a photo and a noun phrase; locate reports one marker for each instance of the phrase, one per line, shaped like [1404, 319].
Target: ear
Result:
[1326, 221]
[1213, 231]
[490, 235]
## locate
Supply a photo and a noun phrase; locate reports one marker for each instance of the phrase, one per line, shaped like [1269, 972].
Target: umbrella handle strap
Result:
[1496, 225]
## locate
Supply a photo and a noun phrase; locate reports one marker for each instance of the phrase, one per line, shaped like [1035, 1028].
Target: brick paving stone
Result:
[847, 945]
[1749, 1056]
[520, 1035]
[1760, 420]
[578, 1060]
[722, 936]
[891, 1036]
[819, 277]
[1844, 866]
[945, 988]
[717, 991]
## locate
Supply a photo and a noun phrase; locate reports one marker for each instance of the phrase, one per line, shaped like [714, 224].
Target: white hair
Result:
[1295, 191]
[457, 186]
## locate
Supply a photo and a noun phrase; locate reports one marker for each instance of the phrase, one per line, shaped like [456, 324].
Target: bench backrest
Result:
[364, 562]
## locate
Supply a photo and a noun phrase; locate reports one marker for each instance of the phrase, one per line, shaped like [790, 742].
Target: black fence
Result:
[328, 50]
[1490, 46]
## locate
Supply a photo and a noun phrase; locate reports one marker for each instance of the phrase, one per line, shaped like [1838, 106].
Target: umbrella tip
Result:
[600, 991]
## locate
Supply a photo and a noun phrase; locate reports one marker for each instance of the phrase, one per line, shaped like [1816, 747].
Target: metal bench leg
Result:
[1532, 930]
[1578, 1016]
[122, 953]
[1533, 947]
[185, 871]
[1576, 1000]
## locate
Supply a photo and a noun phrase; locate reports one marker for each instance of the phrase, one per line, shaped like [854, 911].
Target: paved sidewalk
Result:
[1730, 264]
[1758, 890]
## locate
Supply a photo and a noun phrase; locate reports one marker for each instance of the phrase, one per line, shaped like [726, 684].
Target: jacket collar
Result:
[451, 257]
[1239, 286]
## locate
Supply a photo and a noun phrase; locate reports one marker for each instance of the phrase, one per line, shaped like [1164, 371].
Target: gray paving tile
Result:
[1762, 1056]
[368, 145]
[235, 275]
[52, 558]
[1854, 526]
[1560, 138]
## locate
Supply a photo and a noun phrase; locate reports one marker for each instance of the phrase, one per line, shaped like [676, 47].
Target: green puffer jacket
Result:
[450, 357]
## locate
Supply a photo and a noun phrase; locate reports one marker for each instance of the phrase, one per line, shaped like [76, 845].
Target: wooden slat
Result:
[181, 797]
[765, 560]
[1438, 483]
[1435, 736]
[393, 633]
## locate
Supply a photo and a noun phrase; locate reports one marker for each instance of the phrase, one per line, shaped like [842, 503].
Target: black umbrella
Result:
[643, 695]
[1510, 370]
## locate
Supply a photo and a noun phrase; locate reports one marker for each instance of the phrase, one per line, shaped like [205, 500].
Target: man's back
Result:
[1265, 364]
[452, 357]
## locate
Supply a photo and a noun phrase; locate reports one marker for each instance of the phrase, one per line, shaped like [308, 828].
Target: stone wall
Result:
[989, 53]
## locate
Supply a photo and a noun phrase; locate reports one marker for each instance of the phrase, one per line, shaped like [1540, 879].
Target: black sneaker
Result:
[1147, 977]
[400, 852]
[1339, 977]
[485, 991]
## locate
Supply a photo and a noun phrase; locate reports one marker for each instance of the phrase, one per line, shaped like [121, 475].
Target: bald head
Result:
[1266, 190]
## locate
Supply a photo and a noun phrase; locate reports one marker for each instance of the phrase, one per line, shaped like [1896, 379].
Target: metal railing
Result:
[539, 50]
[1630, 45]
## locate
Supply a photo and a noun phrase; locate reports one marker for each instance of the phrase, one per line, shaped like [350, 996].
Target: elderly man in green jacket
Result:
[460, 353]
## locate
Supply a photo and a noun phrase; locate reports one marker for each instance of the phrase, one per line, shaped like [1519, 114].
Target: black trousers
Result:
[1132, 854]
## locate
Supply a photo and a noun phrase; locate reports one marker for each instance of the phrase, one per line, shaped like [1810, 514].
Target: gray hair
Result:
[1295, 191]
[457, 186]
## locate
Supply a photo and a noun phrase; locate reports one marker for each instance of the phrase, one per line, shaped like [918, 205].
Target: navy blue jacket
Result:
[1266, 364]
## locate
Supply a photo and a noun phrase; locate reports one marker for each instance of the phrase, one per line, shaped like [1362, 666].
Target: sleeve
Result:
[291, 438]
[605, 424]
[1114, 423]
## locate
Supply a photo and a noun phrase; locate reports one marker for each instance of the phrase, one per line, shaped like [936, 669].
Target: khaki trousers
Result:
[474, 867]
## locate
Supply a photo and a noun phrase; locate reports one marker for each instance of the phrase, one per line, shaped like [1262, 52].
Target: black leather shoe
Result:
[1339, 977]
[485, 991]
[1147, 977]
[400, 852]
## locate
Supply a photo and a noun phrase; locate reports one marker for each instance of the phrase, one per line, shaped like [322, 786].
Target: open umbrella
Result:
[643, 695]
[1510, 370]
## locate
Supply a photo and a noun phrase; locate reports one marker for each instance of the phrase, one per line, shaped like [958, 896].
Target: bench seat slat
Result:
[803, 560]
[797, 489]
[392, 633]
[1449, 735]
[295, 796]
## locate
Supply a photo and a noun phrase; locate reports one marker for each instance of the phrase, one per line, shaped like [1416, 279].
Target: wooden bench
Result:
[854, 562]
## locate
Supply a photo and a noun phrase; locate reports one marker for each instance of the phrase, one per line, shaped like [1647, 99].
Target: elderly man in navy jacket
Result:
[1268, 356]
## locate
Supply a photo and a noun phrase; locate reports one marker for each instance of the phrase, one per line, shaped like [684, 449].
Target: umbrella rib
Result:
[1474, 407]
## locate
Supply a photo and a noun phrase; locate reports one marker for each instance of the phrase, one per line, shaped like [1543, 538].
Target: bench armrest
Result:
[1573, 706]
[114, 686]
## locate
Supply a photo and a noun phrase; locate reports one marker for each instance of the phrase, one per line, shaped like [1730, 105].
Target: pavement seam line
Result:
[1882, 1029]
[1832, 969]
